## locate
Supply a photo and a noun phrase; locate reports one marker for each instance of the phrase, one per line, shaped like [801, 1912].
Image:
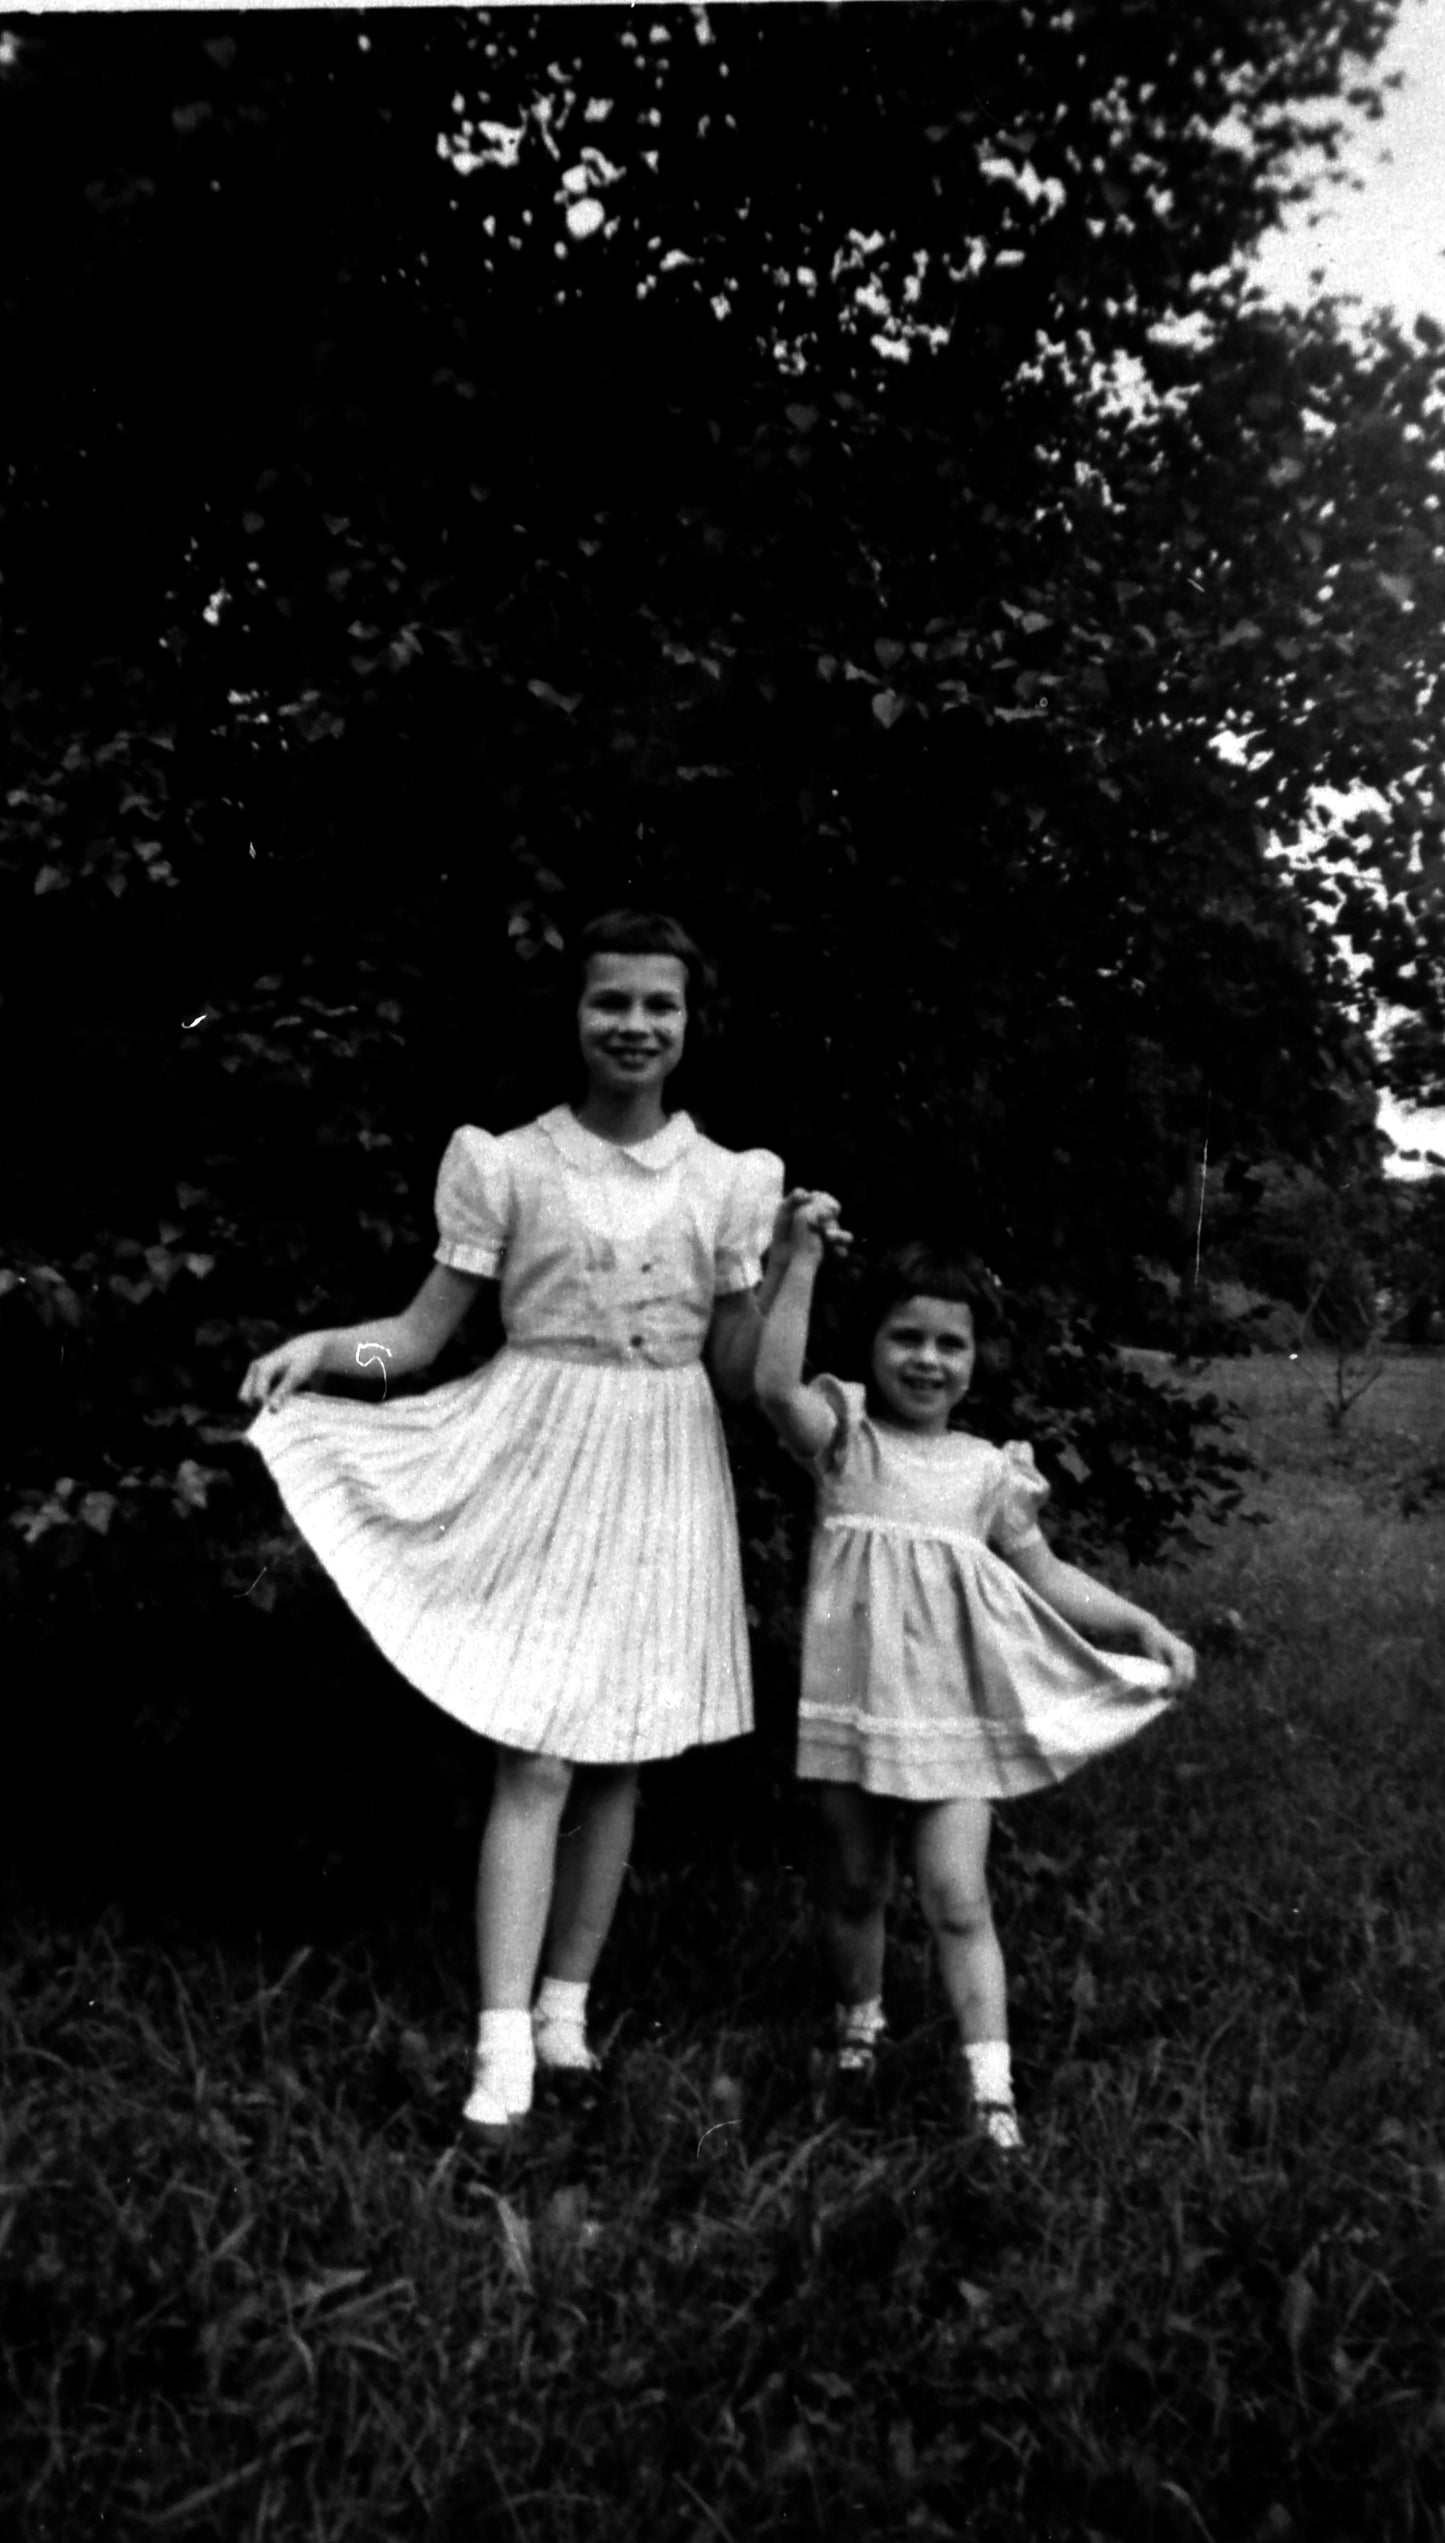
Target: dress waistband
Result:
[862, 1523]
[599, 1355]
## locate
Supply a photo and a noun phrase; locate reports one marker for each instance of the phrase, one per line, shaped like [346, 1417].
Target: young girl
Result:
[548, 1548]
[945, 1664]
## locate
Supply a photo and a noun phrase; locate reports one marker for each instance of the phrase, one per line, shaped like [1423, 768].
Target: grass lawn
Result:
[252, 2288]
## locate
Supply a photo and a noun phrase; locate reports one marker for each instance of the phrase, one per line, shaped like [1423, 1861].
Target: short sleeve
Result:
[848, 1404]
[474, 1204]
[749, 1208]
[1022, 1494]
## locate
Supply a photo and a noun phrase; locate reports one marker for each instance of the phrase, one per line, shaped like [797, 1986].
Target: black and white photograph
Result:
[722, 1272]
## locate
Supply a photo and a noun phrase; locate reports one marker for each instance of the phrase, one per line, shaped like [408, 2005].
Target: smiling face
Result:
[923, 1355]
[632, 1022]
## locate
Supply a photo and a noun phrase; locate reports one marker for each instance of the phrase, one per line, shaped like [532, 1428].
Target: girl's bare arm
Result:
[388, 1346]
[797, 1412]
[1101, 1613]
[735, 1334]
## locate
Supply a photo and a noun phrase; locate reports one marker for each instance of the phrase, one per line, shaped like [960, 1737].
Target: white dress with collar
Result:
[548, 1547]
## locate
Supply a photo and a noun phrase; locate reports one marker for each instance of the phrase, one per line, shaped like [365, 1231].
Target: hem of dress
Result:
[739, 1278]
[847, 1759]
[481, 1262]
[681, 1747]
[884, 1785]
[303, 1476]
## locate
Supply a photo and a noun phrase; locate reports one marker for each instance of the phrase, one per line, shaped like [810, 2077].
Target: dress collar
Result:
[592, 1154]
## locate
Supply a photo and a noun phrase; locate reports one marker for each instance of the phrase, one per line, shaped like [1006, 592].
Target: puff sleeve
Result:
[848, 1404]
[746, 1220]
[474, 1204]
[1022, 1494]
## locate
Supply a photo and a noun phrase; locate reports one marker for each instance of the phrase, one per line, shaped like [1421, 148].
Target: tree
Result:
[823, 468]
[1414, 1257]
[984, 598]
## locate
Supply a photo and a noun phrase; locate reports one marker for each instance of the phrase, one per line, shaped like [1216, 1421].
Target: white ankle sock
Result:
[562, 2000]
[859, 2021]
[504, 2033]
[990, 2070]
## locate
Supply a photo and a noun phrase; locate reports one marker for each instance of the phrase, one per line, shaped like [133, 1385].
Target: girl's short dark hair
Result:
[643, 931]
[918, 1269]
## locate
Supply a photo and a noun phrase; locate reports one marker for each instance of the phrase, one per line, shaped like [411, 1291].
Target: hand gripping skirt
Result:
[546, 1549]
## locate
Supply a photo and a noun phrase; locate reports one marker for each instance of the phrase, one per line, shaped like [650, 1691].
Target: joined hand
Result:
[808, 1224]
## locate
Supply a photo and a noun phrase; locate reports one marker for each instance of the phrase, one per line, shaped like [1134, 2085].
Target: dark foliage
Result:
[860, 539]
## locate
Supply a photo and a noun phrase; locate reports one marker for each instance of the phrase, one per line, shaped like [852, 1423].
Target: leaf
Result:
[134, 1292]
[192, 1486]
[888, 652]
[33, 1524]
[888, 706]
[569, 2227]
[1074, 1465]
[549, 696]
[51, 878]
[1296, 2311]
[309, 2292]
[516, 2240]
[802, 418]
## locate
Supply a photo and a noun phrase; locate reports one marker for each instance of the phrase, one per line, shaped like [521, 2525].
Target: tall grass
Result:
[253, 2287]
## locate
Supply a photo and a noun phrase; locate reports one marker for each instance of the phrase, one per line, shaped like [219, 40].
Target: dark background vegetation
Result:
[896, 538]
[861, 542]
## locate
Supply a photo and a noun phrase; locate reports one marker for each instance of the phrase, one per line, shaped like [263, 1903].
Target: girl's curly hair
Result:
[918, 1269]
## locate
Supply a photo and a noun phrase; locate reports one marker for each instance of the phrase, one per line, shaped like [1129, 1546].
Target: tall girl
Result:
[945, 1661]
[548, 1548]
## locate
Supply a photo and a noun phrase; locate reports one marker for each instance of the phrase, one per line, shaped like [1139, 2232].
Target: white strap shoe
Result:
[561, 2046]
[498, 2097]
[998, 2121]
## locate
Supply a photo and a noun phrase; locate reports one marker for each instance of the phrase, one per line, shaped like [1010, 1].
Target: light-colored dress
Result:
[931, 1671]
[548, 1548]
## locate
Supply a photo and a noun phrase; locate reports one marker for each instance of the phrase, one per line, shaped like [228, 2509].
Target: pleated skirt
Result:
[546, 1549]
[931, 1672]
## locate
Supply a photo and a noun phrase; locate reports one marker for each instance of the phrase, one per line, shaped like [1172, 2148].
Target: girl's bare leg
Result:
[592, 1857]
[857, 1879]
[950, 1862]
[514, 1894]
[516, 1873]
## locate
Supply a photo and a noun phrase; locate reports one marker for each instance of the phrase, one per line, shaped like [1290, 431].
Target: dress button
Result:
[647, 1266]
[636, 1341]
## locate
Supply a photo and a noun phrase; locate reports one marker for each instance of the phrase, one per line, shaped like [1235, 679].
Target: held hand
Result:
[277, 1374]
[806, 1226]
[1156, 1642]
[836, 1237]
